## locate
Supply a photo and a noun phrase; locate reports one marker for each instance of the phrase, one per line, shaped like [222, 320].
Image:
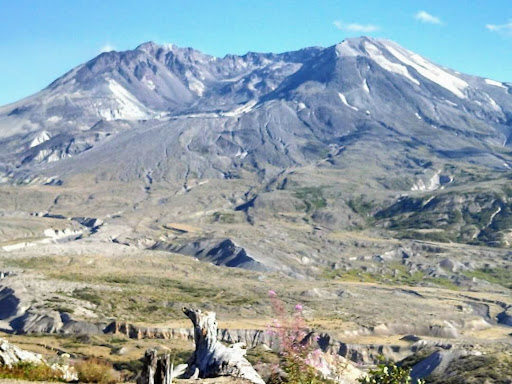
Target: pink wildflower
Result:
[272, 293]
[298, 307]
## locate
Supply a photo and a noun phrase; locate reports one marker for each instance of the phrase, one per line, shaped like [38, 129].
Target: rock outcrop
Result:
[250, 337]
[11, 355]
[217, 251]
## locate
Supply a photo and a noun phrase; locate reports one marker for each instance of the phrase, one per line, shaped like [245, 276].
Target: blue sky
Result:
[41, 40]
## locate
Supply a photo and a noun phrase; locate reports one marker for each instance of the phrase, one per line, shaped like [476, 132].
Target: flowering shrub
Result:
[299, 358]
[389, 374]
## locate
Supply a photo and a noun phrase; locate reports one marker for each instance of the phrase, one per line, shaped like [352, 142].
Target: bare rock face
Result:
[211, 358]
[11, 355]
[31, 322]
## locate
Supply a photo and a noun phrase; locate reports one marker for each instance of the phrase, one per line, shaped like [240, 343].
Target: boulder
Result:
[11, 355]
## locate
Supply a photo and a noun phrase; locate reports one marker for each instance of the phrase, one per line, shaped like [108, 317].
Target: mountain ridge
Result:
[360, 180]
[125, 87]
[309, 131]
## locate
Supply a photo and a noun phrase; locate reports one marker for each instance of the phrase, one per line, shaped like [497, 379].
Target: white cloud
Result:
[426, 17]
[501, 28]
[355, 27]
[107, 48]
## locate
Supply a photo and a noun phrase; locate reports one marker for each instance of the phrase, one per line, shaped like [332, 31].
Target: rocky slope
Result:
[318, 138]
[157, 105]
[360, 180]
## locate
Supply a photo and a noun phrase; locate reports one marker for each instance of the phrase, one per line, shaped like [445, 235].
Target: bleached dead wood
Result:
[213, 359]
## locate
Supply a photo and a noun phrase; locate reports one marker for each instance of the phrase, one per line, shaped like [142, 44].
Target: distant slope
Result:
[344, 137]
[258, 111]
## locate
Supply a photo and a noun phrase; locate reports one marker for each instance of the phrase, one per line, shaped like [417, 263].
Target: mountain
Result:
[258, 110]
[362, 135]
[360, 180]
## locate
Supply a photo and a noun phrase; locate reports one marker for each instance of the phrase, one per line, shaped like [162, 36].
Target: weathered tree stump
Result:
[156, 370]
[211, 358]
[147, 375]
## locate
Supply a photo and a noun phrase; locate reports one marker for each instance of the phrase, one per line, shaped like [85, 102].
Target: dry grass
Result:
[94, 370]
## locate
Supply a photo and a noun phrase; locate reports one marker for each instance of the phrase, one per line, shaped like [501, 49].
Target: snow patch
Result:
[365, 86]
[377, 56]
[430, 71]
[54, 119]
[344, 49]
[247, 107]
[427, 185]
[418, 116]
[491, 219]
[493, 103]
[436, 181]
[42, 155]
[52, 236]
[39, 139]
[241, 154]
[130, 108]
[344, 101]
[252, 82]
[55, 156]
[194, 84]
[150, 84]
[495, 83]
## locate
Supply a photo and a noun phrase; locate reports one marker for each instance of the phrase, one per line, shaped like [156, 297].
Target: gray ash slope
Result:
[241, 147]
[169, 111]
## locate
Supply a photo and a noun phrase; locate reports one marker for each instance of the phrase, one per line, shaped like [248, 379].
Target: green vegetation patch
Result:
[88, 294]
[495, 368]
[33, 262]
[476, 218]
[313, 197]
[500, 276]
[29, 372]
[361, 206]
[436, 236]
[146, 297]
[396, 274]
[224, 217]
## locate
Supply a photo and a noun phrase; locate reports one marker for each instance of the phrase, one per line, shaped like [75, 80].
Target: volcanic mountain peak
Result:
[278, 110]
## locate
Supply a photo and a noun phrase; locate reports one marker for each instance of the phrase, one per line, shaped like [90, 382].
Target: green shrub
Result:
[389, 374]
[501, 276]
[313, 197]
[87, 294]
[29, 372]
[224, 217]
[361, 206]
